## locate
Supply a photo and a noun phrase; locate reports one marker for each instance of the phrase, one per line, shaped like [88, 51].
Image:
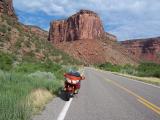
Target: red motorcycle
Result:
[72, 85]
[70, 91]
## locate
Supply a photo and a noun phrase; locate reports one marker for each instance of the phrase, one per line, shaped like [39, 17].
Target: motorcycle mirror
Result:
[83, 77]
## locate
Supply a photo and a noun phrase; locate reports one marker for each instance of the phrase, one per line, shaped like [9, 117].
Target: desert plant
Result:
[43, 75]
[110, 67]
[6, 61]
[128, 69]
[3, 28]
[144, 69]
[149, 69]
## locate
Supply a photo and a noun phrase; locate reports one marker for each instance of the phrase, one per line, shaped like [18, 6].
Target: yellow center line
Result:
[150, 107]
[139, 98]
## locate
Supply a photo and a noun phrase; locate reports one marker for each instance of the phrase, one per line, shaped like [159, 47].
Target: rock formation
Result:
[6, 6]
[82, 35]
[83, 25]
[145, 49]
[1, 6]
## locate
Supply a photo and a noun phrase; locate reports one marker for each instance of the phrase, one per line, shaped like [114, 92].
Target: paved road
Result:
[105, 96]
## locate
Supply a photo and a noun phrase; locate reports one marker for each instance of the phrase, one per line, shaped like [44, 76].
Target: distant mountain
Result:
[146, 49]
[82, 35]
[26, 42]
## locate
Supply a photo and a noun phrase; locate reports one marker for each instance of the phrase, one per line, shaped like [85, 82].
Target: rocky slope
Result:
[6, 6]
[36, 30]
[26, 42]
[82, 35]
[145, 49]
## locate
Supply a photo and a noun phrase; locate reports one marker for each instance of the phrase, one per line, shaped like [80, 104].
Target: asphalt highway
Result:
[105, 96]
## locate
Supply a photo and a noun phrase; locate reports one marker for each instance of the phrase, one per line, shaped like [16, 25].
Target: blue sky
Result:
[127, 19]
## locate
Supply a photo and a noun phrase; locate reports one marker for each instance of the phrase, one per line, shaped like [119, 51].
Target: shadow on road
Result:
[61, 94]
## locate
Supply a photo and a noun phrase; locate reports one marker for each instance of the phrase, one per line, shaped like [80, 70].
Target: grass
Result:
[147, 72]
[39, 98]
[26, 86]
[26, 82]
[22, 82]
[145, 69]
[151, 80]
[15, 89]
[6, 61]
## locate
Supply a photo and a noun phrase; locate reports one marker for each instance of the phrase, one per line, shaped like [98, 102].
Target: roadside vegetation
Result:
[26, 86]
[146, 71]
[31, 70]
[26, 45]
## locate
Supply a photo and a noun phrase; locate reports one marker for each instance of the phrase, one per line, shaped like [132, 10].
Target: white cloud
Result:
[102, 6]
[124, 14]
[132, 31]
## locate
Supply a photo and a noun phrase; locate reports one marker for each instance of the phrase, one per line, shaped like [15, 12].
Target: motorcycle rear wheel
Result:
[68, 96]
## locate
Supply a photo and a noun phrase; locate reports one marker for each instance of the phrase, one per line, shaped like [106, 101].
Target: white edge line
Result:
[64, 110]
[128, 78]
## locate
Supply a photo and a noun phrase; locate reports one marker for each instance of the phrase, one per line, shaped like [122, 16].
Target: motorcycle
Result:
[72, 85]
[70, 91]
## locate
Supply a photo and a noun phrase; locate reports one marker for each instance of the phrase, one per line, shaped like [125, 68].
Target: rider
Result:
[74, 78]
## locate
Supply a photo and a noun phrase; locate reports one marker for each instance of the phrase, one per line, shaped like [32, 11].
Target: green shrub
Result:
[18, 42]
[9, 28]
[6, 61]
[110, 67]
[11, 21]
[43, 75]
[146, 69]
[149, 69]
[128, 69]
[3, 28]
[30, 67]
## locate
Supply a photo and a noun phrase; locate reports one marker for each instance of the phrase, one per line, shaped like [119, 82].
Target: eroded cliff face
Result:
[145, 49]
[82, 35]
[83, 25]
[6, 7]
[1, 6]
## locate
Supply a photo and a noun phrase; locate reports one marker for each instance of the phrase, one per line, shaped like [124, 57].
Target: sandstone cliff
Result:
[145, 49]
[6, 6]
[83, 25]
[82, 35]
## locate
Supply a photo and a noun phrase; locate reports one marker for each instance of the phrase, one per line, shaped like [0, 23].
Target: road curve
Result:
[105, 96]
